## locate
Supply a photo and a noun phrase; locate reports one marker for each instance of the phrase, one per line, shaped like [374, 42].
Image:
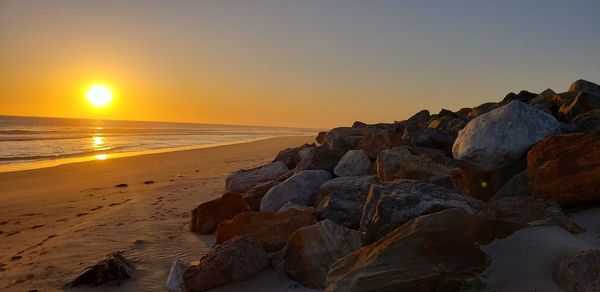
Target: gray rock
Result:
[235, 260]
[584, 102]
[587, 122]
[482, 109]
[580, 271]
[584, 85]
[241, 181]
[113, 267]
[502, 136]
[391, 205]
[319, 158]
[430, 138]
[344, 198]
[312, 249]
[400, 162]
[514, 187]
[300, 189]
[543, 102]
[353, 163]
[175, 278]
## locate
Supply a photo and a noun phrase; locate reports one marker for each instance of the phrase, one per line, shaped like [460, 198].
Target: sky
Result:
[287, 63]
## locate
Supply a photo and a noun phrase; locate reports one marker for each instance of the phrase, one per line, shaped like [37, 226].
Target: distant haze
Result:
[288, 63]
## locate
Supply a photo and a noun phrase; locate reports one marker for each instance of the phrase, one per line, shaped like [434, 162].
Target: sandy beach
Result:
[56, 221]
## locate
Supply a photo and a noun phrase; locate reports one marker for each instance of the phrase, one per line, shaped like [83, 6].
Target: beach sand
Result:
[56, 221]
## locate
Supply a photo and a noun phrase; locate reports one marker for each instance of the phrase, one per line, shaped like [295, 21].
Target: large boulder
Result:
[435, 252]
[353, 163]
[584, 85]
[317, 158]
[113, 267]
[531, 211]
[566, 169]
[400, 162]
[587, 122]
[514, 187]
[312, 249]
[238, 259]
[544, 101]
[391, 205]
[272, 229]
[502, 136]
[344, 199]
[291, 156]
[584, 102]
[429, 137]
[371, 138]
[482, 109]
[243, 180]
[207, 216]
[255, 194]
[580, 271]
[300, 189]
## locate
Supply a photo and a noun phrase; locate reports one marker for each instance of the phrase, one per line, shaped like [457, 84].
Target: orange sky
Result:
[285, 63]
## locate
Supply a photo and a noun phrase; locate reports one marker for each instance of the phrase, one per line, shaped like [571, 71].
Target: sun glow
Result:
[99, 96]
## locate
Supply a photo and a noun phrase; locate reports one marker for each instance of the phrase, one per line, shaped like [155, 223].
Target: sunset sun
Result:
[99, 96]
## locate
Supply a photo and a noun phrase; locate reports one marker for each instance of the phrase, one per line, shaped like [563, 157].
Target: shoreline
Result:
[55, 221]
[30, 165]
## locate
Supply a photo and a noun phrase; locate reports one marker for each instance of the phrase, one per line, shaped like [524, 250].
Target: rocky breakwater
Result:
[406, 206]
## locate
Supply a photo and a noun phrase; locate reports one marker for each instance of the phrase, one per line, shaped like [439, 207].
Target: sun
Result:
[99, 96]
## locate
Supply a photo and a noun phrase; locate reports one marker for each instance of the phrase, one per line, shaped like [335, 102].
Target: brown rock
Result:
[531, 211]
[255, 194]
[434, 252]
[233, 261]
[271, 228]
[113, 267]
[207, 216]
[580, 271]
[566, 169]
[312, 249]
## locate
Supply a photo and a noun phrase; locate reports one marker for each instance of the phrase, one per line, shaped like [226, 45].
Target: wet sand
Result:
[56, 221]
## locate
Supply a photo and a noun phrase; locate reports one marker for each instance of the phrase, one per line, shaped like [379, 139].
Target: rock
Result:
[531, 211]
[584, 102]
[238, 259]
[359, 124]
[254, 195]
[319, 158]
[371, 138]
[113, 267]
[580, 271]
[566, 169]
[353, 163]
[243, 180]
[312, 249]
[300, 189]
[291, 156]
[587, 122]
[464, 112]
[430, 138]
[522, 96]
[583, 85]
[272, 229]
[321, 137]
[451, 123]
[515, 187]
[543, 102]
[391, 205]
[502, 136]
[175, 278]
[344, 198]
[434, 252]
[482, 109]
[208, 215]
[305, 153]
[353, 183]
[399, 162]
[418, 120]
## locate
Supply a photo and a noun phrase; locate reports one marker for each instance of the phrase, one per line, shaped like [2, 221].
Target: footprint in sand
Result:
[121, 186]
[3, 222]
[16, 258]
[96, 208]
[148, 182]
[82, 214]
[12, 233]
[37, 226]
[62, 220]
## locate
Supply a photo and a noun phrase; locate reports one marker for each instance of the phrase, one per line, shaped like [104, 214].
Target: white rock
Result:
[500, 137]
[353, 163]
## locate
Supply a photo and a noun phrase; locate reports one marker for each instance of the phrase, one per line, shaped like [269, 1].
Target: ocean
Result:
[33, 142]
